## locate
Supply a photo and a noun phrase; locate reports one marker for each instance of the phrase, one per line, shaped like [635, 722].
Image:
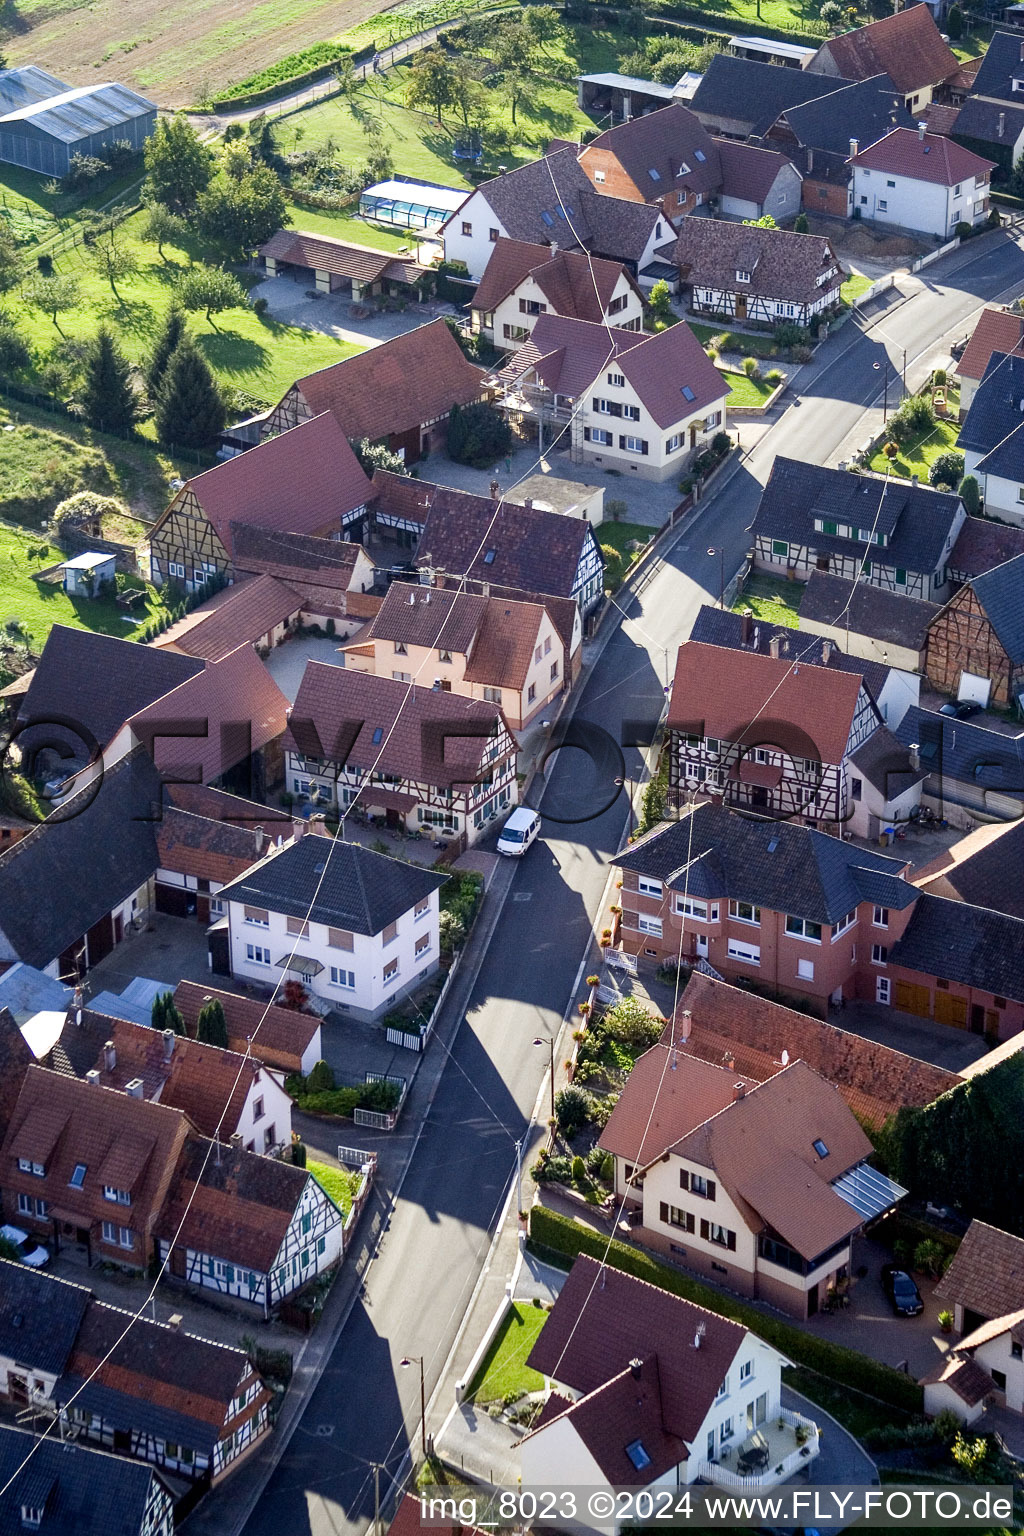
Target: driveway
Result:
[940, 1044]
[287, 663]
[869, 1324]
[171, 948]
[289, 300]
[841, 1461]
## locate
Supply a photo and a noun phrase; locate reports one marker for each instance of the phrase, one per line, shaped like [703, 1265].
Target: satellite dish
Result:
[785, 1058]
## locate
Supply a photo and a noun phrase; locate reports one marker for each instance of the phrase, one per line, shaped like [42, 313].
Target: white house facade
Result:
[920, 181]
[512, 321]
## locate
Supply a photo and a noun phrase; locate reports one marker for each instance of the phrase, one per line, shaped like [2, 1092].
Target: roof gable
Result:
[927, 157]
[987, 1272]
[661, 152]
[907, 47]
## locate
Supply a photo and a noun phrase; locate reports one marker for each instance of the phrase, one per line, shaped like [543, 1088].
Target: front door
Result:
[17, 1388]
[761, 1408]
[702, 946]
[882, 989]
[759, 796]
[977, 1019]
[741, 306]
[118, 928]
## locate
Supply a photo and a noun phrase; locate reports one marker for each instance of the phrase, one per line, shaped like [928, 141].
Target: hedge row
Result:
[561, 1235]
[291, 74]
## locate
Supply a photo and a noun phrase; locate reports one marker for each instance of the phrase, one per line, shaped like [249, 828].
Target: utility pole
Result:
[519, 1180]
[376, 1499]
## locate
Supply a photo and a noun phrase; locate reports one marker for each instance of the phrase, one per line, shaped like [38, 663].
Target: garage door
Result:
[950, 1009]
[914, 999]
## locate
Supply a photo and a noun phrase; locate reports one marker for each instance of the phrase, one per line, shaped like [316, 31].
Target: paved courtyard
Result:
[170, 949]
[286, 663]
[288, 299]
[940, 1044]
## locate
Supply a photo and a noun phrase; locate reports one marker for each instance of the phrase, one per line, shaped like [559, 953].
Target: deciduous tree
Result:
[162, 227]
[211, 289]
[179, 166]
[431, 81]
[114, 263]
[53, 296]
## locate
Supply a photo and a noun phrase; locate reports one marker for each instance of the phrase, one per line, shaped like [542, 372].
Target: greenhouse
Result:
[410, 204]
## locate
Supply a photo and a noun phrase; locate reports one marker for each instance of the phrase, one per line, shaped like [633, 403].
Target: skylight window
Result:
[654, 175]
[820, 1147]
[700, 155]
[77, 1179]
[548, 220]
[489, 557]
[687, 393]
[637, 1454]
[378, 735]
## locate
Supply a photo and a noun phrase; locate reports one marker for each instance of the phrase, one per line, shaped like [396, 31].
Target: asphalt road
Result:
[365, 1407]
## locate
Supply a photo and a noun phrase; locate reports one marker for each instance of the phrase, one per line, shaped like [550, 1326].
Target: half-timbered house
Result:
[763, 276]
[357, 929]
[248, 1227]
[975, 644]
[154, 1392]
[400, 393]
[523, 281]
[891, 533]
[518, 655]
[424, 759]
[768, 733]
[303, 481]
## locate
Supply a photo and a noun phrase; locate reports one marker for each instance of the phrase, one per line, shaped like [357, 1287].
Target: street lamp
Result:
[885, 393]
[405, 1363]
[549, 1041]
[720, 552]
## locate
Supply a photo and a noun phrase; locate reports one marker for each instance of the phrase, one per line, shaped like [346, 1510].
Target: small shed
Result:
[410, 204]
[769, 50]
[85, 574]
[624, 96]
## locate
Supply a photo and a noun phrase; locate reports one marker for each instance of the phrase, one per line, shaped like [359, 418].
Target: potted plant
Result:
[946, 1321]
[801, 1434]
[593, 981]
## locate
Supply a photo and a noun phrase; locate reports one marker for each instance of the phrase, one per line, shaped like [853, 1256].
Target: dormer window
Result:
[116, 1196]
[741, 276]
[77, 1179]
[684, 169]
[26, 1165]
[32, 1516]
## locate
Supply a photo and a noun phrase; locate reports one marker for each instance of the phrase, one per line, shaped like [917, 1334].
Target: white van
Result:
[521, 829]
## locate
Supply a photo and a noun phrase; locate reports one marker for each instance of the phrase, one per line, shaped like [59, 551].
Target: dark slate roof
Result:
[983, 868]
[1001, 593]
[979, 119]
[86, 1492]
[779, 264]
[756, 93]
[886, 616]
[717, 627]
[971, 945]
[778, 864]
[885, 762]
[91, 854]
[1007, 457]
[96, 682]
[862, 111]
[39, 1317]
[360, 890]
[916, 519]
[511, 546]
[961, 751]
[995, 411]
[1000, 65]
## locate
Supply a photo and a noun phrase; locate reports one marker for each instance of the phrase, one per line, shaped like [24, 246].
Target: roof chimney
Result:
[922, 129]
[746, 627]
[175, 1321]
[810, 160]
[826, 652]
[168, 1044]
[134, 1089]
[93, 1077]
[260, 839]
[685, 1025]
[854, 147]
[738, 1090]
[412, 599]
[495, 490]
[109, 1056]
[775, 646]
[636, 1366]
[528, 503]
[236, 1141]
[1022, 53]
[298, 829]
[914, 753]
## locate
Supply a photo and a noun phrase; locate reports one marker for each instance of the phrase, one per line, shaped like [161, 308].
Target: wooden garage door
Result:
[950, 1009]
[914, 999]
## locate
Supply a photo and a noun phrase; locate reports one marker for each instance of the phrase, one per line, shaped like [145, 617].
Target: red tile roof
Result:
[748, 173]
[966, 1378]
[987, 1272]
[718, 693]
[981, 545]
[627, 1409]
[666, 1096]
[280, 1036]
[932, 158]
[907, 47]
[303, 481]
[997, 330]
[241, 613]
[392, 388]
[731, 1024]
[574, 285]
[235, 708]
[660, 152]
[207, 848]
[322, 253]
[603, 1317]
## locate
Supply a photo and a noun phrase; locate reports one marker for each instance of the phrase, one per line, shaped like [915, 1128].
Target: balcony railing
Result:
[785, 1455]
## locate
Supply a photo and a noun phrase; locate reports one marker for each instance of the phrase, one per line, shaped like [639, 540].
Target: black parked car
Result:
[962, 711]
[903, 1294]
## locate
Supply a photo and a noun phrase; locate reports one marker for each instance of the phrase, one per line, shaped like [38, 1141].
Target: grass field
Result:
[746, 393]
[344, 226]
[917, 457]
[254, 353]
[854, 286]
[37, 606]
[772, 599]
[504, 1369]
[340, 1183]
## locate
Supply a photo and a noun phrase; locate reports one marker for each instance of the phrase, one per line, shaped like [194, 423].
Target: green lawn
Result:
[621, 535]
[340, 1183]
[346, 226]
[746, 393]
[38, 605]
[255, 353]
[735, 341]
[917, 457]
[771, 598]
[504, 1369]
[856, 1411]
[854, 286]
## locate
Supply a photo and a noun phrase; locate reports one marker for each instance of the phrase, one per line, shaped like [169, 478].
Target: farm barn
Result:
[44, 122]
